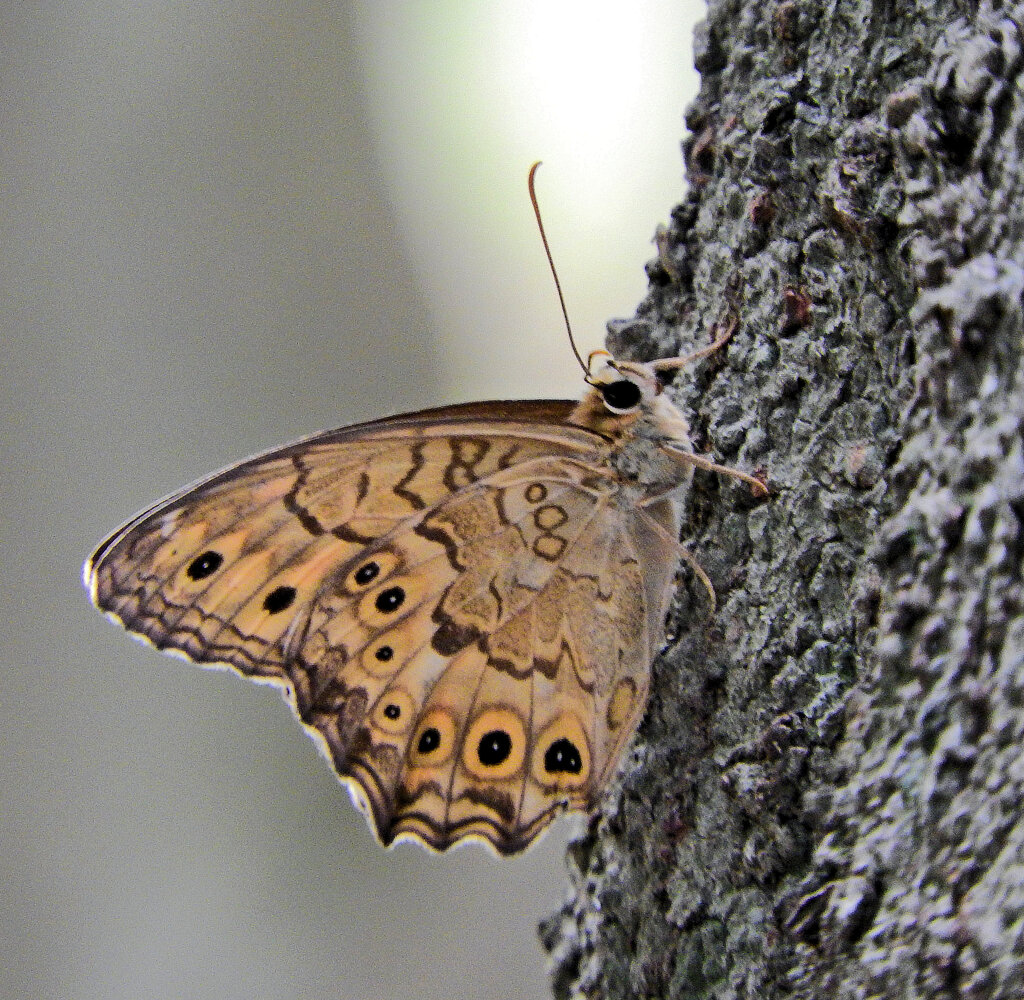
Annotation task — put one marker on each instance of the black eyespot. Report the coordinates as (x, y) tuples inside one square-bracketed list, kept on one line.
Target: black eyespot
[(494, 748), (205, 565), (278, 600), (389, 600), (366, 573), (562, 756), (393, 712), (384, 653), (430, 740), (621, 396)]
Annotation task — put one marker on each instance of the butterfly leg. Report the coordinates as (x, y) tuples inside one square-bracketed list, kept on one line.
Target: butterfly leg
[(686, 554), (757, 486), (674, 364), (701, 575)]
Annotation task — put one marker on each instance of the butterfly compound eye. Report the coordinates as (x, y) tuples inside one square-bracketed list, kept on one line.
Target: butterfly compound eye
[(621, 396)]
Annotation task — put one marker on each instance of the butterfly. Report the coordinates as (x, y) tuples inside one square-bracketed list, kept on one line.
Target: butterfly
[(462, 605)]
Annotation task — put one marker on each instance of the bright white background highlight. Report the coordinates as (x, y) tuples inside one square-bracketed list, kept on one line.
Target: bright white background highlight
[(464, 98)]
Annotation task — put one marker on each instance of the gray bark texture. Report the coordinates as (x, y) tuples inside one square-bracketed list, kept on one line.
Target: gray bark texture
[(825, 799)]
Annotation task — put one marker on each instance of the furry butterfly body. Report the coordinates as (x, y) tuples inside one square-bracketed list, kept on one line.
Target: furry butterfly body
[(462, 604)]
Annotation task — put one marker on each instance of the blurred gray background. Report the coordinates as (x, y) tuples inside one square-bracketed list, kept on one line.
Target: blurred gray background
[(223, 226)]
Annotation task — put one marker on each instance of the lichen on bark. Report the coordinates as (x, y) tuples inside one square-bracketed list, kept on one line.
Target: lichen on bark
[(824, 798)]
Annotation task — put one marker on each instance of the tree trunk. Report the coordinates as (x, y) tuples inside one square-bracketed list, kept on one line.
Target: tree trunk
[(825, 797)]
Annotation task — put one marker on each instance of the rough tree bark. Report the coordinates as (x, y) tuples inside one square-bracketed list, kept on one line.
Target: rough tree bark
[(825, 799)]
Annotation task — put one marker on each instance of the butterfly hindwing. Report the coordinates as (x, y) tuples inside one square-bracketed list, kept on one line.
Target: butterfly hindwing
[(457, 666)]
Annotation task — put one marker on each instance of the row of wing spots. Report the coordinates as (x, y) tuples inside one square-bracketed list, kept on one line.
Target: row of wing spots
[(519, 771), (282, 600), (373, 616), (466, 764), (254, 590), (408, 724), (351, 644), (371, 634), (302, 587), (185, 563), (510, 768), (364, 700), (468, 755), (423, 786)]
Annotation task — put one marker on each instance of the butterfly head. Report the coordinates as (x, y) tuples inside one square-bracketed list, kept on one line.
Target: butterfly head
[(627, 399), (624, 387)]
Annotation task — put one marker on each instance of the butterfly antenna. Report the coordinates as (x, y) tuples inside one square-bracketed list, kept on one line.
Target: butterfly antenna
[(551, 264)]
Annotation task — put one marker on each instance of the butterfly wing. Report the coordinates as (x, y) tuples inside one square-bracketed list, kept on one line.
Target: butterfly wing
[(457, 603)]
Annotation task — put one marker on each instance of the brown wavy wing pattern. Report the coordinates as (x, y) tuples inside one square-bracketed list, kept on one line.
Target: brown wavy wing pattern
[(456, 600)]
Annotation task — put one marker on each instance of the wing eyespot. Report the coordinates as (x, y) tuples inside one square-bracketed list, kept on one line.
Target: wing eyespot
[(366, 573), (394, 712), (389, 601), (279, 600), (392, 601), (433, 740), (563, 757), (429, 741), (369, 570), (494, 748), (495, 745), (205, 565)]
